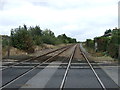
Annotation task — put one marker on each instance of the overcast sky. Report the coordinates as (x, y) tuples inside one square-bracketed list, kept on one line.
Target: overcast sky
[(80, 19)]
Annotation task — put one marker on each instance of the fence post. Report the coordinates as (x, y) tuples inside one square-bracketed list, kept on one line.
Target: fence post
[(8, 54), (119, 54)]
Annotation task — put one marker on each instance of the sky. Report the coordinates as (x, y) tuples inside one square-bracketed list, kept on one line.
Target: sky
[(80, 19)]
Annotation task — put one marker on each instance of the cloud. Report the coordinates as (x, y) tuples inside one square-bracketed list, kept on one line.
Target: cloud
[(80, 19)]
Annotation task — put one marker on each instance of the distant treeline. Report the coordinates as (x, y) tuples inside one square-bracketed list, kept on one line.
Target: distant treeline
[(108, 43), (25, 38)]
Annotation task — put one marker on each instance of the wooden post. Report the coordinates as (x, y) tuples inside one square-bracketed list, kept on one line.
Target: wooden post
[(119, 54), (8, 54)]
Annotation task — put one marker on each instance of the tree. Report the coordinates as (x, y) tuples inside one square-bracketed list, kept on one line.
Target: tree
[(25, 38), (36, 34), (21, 39), (108, 31), (48, 37), (64, 39), (5, 40), (90, 43), (48, 32), (35, 31), (113, 47)]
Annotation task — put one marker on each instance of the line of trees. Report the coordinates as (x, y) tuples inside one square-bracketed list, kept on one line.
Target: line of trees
[(108, 43), (25, 38)]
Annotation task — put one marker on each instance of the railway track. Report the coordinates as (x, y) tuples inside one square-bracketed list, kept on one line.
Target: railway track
[(67, 68), (67, 82), (31, 66), (31, 59)]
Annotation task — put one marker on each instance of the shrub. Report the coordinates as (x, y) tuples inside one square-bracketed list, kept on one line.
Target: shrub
[(90, 43), (22, 40), (102, 43)]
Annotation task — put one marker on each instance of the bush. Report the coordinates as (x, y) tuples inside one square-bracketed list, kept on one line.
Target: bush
[(113, 46), (64, 39), (90, 43), (25, 38), (22, 40), (113, 50), (102, 43), (5, 41)]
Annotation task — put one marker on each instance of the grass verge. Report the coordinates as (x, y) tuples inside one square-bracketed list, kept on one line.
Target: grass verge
[(98, 56)]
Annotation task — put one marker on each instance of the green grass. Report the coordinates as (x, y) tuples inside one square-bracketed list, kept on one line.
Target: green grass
[(93, 52), (98, 56)]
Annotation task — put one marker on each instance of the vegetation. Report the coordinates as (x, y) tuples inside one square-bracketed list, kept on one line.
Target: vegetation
[(90, 43), (64, 39), (5, 41), (113, 46), (108, 43), (102, 43), (48, 37), (108, 31), (25, 38), (21, 39)]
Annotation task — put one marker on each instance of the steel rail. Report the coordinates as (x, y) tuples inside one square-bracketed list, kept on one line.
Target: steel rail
[(66, 72), (32, 58), (98, 78), (18, 77)]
